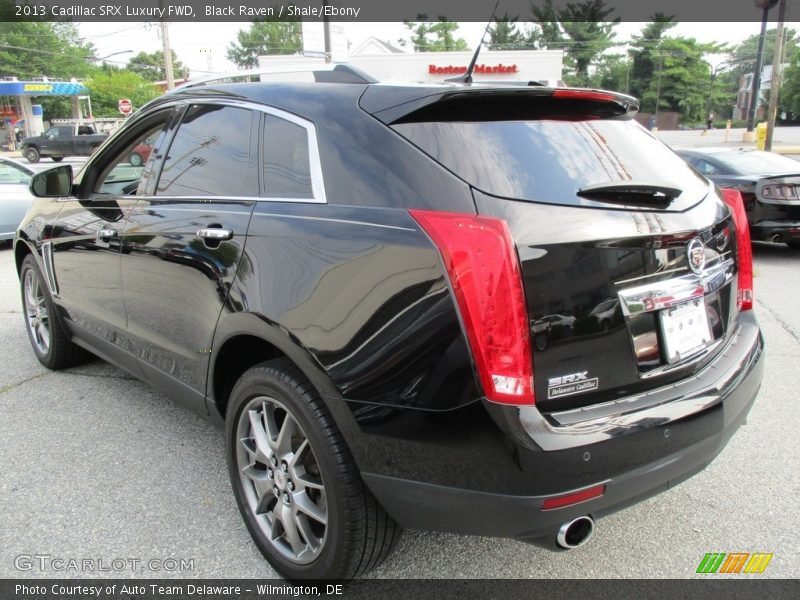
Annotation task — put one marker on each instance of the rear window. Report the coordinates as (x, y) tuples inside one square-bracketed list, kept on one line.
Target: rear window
[(548, 160)]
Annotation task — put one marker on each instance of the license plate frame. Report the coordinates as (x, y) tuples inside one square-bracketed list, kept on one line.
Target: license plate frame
[(685, 329)]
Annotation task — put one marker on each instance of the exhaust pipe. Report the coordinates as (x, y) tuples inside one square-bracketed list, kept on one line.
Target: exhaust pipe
[(575, 533), (776, 238)]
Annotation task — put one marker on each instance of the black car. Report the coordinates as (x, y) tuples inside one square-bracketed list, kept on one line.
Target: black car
[(344, 275), (769, 184), (78, 139)]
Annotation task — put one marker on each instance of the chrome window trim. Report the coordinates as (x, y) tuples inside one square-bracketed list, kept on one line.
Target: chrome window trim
[(315, 164)]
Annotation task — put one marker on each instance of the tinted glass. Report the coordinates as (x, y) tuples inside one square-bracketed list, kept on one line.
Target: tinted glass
[(550, 160), (760, 163), (211, 154), (287, 173), (125, 171)]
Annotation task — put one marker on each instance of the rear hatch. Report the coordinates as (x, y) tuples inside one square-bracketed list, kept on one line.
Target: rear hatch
[(628, 256)]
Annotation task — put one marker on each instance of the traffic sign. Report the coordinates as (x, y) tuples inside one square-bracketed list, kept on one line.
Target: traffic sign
[(125, 106)]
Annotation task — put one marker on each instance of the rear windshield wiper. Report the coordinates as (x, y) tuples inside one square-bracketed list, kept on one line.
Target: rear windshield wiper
[(631, 193)]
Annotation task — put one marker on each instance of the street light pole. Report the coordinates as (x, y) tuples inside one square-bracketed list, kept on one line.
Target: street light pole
[(765, 5), (775, 83)]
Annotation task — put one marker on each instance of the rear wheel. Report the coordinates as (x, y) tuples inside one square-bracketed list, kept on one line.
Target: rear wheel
[(31, 154), (56, 158), (45, 331), (295, 482)]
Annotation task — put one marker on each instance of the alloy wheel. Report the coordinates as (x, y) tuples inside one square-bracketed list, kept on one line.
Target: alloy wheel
[(36, 314), (281, 479)]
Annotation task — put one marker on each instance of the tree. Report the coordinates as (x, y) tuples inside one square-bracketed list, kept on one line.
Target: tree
[(644, 49), (150, 66), (263, 38), (790, 91), (107, 86), (583, 30), (437, 36), (505, 35)]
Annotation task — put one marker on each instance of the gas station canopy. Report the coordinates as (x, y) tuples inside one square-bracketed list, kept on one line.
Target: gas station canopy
[(42, 88)]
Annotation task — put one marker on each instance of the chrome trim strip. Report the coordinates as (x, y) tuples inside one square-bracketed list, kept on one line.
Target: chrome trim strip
[(347, 221), (49, 270)]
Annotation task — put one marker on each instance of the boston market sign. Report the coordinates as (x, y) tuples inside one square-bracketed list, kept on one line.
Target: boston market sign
[(479, 69)]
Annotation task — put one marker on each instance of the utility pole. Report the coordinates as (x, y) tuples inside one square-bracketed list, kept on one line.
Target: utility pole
[(167, 55), (326, 25), (775, 84), (764, 5)]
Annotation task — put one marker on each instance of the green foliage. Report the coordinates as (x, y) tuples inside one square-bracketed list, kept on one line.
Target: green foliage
[(263, 38), (790, 90), (583, 30), (35, 49), (505, 35), (436, 36), (645, 52), (150, 66), (109, 86)]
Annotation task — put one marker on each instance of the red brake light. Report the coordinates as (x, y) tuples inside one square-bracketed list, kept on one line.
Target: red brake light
[(484, 272), (744, 297), (585, 95)]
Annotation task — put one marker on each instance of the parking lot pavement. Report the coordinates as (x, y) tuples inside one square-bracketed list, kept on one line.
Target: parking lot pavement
[(97, 465)]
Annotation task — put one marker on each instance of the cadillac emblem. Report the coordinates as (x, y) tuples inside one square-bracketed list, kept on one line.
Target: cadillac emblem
[(696, 255)]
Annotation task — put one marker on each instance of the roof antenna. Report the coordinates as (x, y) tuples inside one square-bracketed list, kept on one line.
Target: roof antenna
[(467, 77)]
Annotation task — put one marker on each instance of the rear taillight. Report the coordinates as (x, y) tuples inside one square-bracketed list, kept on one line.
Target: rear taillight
[(779, 191), (744, 297), (481, 262)]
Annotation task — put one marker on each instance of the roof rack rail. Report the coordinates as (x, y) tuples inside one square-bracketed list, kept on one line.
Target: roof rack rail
[(323, 73)]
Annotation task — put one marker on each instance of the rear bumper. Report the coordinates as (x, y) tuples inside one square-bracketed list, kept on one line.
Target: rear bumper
[(637, 455), (776, 231)]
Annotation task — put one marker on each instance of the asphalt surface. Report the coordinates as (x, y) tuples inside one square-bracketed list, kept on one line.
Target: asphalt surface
[(97, 465)]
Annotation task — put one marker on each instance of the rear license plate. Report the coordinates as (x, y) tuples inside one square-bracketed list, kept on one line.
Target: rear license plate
[(685, 328)]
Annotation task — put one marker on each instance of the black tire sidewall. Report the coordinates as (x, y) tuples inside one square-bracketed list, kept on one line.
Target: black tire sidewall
[(32, 155), (258, 382)]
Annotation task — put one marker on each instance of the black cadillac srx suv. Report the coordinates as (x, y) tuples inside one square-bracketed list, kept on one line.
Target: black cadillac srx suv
[(484, 309)]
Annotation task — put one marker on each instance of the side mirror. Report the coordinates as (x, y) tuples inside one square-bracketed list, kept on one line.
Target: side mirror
[(53, 183)]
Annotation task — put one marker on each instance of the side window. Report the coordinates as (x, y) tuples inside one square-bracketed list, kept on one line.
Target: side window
[(287, 171), (64, 132), (126, 171), (51, 133), (706, 168), (213, 154)]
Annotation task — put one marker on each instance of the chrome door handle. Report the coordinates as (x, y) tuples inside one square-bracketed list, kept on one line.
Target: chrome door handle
[(107, 233), (215, 233)]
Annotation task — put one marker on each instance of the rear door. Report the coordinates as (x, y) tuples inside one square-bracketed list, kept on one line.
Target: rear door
[(184, 241), (616, 236)]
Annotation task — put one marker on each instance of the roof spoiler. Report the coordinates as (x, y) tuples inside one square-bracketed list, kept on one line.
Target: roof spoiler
[(494, 103)]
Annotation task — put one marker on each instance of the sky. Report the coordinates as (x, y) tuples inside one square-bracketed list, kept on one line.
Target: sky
[(201, 46)]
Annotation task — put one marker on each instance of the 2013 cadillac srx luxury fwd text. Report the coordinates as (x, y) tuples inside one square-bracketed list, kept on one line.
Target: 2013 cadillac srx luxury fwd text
[(497, 310)]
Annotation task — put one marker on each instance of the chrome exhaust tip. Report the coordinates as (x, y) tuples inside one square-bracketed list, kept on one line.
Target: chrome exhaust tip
[(575, 533), (776, 238)]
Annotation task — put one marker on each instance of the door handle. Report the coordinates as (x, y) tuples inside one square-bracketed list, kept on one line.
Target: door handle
[(107, 233), (215, 233)]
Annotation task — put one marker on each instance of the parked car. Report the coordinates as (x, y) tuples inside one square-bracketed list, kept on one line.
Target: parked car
[(769, 185), (344, 275), (15, 199), (141, 153), (63, 140)]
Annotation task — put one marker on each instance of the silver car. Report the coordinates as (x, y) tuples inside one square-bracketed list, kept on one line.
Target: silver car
[(15, 199)]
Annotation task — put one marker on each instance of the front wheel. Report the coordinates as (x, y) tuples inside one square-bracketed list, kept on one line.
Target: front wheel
[(31, 154), (135, 159), (49, 340), (297, 487)]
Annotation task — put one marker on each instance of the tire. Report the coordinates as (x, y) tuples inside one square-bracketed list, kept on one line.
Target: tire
[(349, 533), (32, 154), (56, 158), (46, 333), (135, 159)]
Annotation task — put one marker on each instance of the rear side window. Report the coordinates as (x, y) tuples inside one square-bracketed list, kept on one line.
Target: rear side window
[(549, 160), (212, 154), (287, 170)]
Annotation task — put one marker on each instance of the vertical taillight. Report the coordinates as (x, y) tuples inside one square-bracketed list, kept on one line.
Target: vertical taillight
[(484, 272), (744, 297)]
